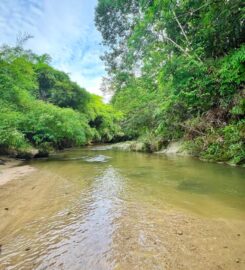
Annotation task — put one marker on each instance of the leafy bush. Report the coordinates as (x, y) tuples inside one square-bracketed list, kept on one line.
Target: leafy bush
[(223, 144)]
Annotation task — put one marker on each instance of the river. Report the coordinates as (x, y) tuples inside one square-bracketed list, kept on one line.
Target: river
[(100, 209)]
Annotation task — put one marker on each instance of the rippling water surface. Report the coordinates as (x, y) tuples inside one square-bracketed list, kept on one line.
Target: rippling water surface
[(99, 209)]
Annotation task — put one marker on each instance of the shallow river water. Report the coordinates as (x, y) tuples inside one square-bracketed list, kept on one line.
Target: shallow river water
[(99, 209)]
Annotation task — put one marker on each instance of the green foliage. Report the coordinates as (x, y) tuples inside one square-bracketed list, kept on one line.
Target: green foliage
[(10, 136), (103, 119), (42, 107), (48, 123), (224, 144), (138, 111), (177, 70), (56, 87)]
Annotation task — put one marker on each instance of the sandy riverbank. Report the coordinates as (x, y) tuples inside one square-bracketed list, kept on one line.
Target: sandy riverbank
[(11, 169)]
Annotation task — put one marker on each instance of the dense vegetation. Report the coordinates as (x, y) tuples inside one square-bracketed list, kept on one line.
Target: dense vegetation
[(41, 108), (176, 69)]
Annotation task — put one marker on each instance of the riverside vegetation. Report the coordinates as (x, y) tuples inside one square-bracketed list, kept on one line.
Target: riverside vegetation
[(42, 109), (176, 71)]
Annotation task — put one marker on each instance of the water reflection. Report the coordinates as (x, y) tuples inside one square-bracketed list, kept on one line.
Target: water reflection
[(99, 158)]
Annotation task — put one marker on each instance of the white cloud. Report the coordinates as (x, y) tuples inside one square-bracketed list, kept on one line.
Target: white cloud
[(64, 29)]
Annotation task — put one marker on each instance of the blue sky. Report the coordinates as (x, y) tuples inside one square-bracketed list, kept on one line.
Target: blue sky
[(62, 28)]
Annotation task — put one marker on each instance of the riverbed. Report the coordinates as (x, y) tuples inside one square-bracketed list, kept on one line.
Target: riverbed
[(99, 209)]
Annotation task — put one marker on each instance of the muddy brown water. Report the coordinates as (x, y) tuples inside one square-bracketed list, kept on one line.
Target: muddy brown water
[(99, 209)]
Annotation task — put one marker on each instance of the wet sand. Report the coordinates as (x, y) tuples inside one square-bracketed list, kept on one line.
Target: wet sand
[(173, 240), (13, 169)]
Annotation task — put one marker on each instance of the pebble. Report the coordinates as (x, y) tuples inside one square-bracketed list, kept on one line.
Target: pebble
[(27, 249), (237, 260), (179, 232), (6, 208)]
